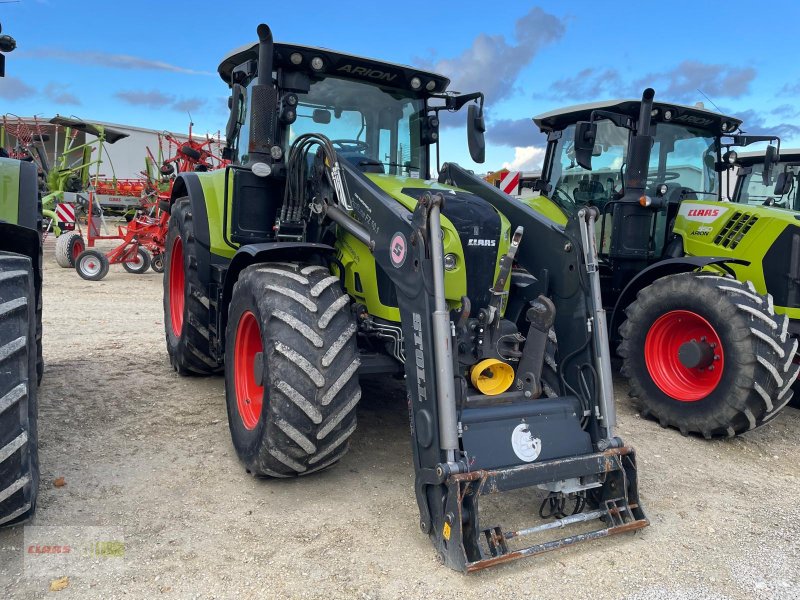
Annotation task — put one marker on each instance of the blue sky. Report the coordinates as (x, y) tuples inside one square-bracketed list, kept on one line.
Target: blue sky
[(146, 63)]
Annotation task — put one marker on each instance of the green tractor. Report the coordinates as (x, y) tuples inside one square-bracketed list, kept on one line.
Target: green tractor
[(704, 293), (325, 252), (21, 365)]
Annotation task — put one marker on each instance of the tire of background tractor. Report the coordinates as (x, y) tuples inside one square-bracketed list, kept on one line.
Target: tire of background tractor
[(142, 263), (68, 246), (157, 264), (19, 454), (92, 265), (186, 317), (711, 321), (39, 355), (290, 327)]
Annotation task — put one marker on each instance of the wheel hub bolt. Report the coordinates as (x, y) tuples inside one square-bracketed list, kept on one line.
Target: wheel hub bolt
[(696, 355)]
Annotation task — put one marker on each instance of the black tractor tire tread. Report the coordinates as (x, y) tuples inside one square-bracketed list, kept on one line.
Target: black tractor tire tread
[(19, 462), (764, 372), (311, 368), (191, 353), (39, 351)]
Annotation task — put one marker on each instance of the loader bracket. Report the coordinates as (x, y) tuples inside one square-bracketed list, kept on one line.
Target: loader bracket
[(464, 545)]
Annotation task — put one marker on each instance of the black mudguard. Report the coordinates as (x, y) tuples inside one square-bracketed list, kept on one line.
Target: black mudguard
[(671, 266), (260, 253)]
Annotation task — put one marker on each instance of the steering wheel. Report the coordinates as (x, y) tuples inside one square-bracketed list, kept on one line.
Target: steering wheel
[(566, 199), (351, 145), (666, 176)]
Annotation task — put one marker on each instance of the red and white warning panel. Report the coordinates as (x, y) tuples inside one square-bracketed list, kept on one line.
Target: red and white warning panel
[(510, 182), (65, 215)]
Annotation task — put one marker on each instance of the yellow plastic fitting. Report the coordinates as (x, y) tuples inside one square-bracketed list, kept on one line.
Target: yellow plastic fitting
[(492, 377)]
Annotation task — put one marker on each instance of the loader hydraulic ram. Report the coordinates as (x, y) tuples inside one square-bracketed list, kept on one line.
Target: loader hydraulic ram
[(326, 250)]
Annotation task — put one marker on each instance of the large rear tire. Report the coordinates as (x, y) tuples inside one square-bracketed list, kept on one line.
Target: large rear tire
[(186, 315), (68, 247), (19, 457), (291, 369), (707, 354)]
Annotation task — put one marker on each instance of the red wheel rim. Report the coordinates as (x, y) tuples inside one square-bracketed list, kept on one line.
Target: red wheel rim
[(249, 395), (77, 248), (176, 285), (661, 348)]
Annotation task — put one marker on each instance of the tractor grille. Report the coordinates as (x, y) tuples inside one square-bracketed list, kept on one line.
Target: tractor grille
[(735, 229)]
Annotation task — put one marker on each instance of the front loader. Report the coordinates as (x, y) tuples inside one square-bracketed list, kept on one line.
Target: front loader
[(704, 293), (325, 251)]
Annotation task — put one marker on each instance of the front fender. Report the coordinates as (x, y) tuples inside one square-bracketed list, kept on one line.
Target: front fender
[(670, 266), (259, 253)]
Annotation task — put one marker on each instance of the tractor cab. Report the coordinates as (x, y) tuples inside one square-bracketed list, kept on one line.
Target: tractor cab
[(380, 117), (682, 162), (775, 186)]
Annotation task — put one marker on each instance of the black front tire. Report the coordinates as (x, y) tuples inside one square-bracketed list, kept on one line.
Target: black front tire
[(757, 372), (302, 419), (19, 454), (187, 330)]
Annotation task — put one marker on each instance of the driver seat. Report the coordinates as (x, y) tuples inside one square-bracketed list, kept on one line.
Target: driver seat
[(588, 191)]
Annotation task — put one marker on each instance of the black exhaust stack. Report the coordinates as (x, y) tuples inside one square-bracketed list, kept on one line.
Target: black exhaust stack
[(264, 101), (631, 237)]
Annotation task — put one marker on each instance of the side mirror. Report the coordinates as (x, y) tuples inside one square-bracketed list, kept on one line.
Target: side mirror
[(784, 184), (770, 159), (236, 118), (320, 115), (585, 136), (475, 133)]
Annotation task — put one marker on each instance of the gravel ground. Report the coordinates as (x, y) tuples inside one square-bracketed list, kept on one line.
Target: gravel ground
[(148, 453)]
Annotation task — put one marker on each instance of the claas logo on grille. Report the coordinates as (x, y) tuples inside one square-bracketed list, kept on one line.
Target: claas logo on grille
[(703, 212)]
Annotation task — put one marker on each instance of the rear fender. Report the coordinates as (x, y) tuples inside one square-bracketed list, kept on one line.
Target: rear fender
[(671, 266), (189, 185)]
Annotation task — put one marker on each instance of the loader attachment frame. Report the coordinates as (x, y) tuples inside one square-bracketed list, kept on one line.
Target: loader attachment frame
[(463, 442)]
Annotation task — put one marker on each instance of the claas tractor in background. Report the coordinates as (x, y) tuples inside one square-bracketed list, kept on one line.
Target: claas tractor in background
[(704, 293), (775, 186), (21, 365), (325, 252)]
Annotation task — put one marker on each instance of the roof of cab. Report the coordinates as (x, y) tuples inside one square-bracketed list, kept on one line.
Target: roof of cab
[(337, 63), (752, 158), (681, 114)]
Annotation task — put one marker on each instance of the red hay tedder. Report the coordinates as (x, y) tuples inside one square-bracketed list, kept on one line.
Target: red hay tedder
[(142, 239)]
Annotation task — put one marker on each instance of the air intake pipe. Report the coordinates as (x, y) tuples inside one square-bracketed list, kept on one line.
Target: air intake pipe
[(263, 101)]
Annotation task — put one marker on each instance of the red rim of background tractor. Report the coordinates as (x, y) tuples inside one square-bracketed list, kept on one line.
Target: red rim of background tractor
[(249, 395), (661, 354), (177, 280)]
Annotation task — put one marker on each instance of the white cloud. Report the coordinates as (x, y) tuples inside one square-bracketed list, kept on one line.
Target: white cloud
[(528, 158)]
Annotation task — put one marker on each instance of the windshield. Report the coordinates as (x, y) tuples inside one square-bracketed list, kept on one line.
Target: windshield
[(751, 188), (681, 157), (376, 130)]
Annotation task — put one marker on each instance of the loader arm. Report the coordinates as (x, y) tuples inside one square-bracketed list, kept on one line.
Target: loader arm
[(449, 481)]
